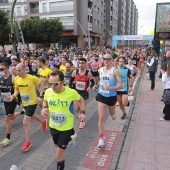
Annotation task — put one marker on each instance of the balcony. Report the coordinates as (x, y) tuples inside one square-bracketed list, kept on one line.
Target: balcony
[(61, 8), (34, 10), (90, 12), (90, 26)]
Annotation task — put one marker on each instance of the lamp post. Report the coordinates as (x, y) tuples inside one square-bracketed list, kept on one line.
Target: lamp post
[(11, 23), (89, 42), (81, 27), (20, 30), (139, 28)]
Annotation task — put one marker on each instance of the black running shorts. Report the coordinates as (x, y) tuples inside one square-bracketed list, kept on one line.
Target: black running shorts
[(110, 101), (30, 110), (61, 138), (84, 94), (10, 107)]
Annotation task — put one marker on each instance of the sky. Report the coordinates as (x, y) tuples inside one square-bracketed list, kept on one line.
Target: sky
[(146, 12)]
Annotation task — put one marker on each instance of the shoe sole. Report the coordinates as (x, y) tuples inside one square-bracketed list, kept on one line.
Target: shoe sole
[(27, 149), (45, 127), (100, 146), (4, 144)]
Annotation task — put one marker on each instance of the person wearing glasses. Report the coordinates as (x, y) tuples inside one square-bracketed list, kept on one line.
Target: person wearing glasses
[(127, 79), (6, 89), (25, 85), (81, 78), (58, 106), (110, 81)]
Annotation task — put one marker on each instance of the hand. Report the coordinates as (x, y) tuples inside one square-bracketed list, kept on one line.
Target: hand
[(82, 117), (130, 89), (106, 87), (88, 89), (162, 71), (45, 113), (9, 98), (95, 87)]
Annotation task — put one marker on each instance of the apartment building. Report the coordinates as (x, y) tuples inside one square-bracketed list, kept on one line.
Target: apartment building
[(94, 20)]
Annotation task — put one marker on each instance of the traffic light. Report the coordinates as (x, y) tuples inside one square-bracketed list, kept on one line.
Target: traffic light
[(11, 38), (18, 34)]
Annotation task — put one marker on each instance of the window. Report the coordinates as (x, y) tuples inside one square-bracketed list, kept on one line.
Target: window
[(25, 10), (19, 11)]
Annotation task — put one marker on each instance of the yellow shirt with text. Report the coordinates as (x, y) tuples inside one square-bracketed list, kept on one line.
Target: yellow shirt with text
[(63, 69), (26, 87)]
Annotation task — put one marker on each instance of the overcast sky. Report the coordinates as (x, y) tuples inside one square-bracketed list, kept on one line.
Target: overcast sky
[(146, 10)]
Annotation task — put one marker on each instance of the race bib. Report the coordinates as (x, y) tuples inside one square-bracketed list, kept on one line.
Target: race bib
[(27, 69), (33, 66), (25, 98), (80, 85), (67, 82), (94, 69), (134, 61), (5, 94), (45, 84), (102, 88), (122, 89), (58, 119)]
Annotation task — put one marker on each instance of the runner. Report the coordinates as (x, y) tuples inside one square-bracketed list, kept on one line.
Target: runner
[(6, 88), (110, 81), (61, 117), (122, 95), (68, 73), (81, 77), (25, 85)]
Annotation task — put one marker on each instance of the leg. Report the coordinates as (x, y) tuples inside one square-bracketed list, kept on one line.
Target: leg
[(112, 110), (26, 123), (101, 113), (37, 117), (119, 98)]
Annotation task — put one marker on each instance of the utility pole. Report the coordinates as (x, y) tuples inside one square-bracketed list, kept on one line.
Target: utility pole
[(12, 26)]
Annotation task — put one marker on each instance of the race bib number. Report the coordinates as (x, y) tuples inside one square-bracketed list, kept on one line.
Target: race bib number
[(122, 89), (80, 85), (67, 82), (4, 95), (102, 88), (33, 66), (134, 61), (25, 98), (141, 59), (58, 119), (94, 69), (45, 85), (27, 69)]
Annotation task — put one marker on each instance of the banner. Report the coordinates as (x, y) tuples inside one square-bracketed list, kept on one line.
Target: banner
[(133, 37)]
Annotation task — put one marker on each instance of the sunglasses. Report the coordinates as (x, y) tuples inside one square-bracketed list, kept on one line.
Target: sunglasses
[(2, 69), (55, 84), (107, 59)]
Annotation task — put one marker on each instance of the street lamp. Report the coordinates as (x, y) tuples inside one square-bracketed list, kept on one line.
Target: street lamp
[(81, 27), (89, 43), (11, 23), (139, 28)]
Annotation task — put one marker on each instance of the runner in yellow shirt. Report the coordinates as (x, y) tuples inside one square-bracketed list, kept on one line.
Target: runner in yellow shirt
[(25, 85), (58, 105)]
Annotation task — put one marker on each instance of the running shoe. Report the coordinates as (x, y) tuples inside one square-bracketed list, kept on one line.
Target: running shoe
[(5, 142), (128, 104), (73, 141), (44, 125), (150, 89), (82, 124), (161, 118), (114, 117), (101, 143), (124, 116), (26, 146)]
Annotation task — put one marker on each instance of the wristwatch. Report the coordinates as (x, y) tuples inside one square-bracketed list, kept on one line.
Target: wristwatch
[(83, 111)]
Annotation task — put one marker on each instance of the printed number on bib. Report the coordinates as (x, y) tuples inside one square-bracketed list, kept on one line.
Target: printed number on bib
[(134, 61), (80, 85), (25, 98), (27, 69), (122, 89), (102, 88), (67, 82), (94, 69), (58, 119), (4, 95)]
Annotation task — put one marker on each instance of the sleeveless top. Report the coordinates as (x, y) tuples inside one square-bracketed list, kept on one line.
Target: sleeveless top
[(81, 81), (94, 66), (67, 78), (110, 80)]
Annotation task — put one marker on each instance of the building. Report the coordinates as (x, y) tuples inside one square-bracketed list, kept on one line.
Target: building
[(85, 21)]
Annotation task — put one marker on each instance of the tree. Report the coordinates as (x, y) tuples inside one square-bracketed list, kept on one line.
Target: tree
[(41, 31), (4, 28)]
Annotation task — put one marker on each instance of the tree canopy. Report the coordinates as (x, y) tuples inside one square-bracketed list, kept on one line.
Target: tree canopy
[(4, 28), (41, 31)]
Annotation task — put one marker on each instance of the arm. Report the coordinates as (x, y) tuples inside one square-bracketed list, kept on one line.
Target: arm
[(44, 111), (151, 63), (41, 90), (72, 79)]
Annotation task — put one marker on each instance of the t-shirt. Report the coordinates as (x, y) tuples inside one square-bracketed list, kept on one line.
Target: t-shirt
[(26, 87), (44, 75), (63, 69), (61, 109)]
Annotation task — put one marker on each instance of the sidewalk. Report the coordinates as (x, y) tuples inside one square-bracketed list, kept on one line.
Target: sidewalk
[(147, 141)]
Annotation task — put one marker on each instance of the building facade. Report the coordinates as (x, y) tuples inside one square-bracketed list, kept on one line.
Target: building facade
[(93, 21)]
